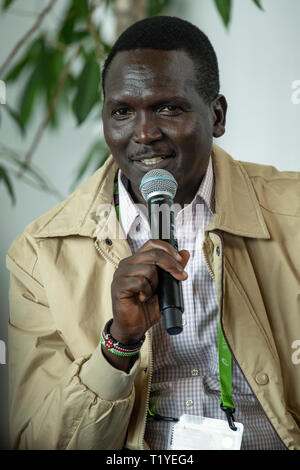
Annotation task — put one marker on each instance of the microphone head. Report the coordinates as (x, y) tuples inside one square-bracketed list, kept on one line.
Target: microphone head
[(159, 182)]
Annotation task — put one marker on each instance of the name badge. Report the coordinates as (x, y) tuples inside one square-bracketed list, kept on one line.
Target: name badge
[(199, 433)]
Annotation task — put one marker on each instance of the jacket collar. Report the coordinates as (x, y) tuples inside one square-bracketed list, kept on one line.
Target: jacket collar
[(77, 215), (237, 209)]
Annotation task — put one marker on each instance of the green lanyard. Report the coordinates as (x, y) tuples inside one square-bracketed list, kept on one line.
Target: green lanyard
[(225, 359), (225, 372), (116, 199)]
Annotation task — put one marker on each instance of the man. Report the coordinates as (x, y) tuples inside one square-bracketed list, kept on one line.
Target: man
[(73, 281)]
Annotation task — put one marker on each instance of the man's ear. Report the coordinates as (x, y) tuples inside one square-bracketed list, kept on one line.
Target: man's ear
[(219, 110)]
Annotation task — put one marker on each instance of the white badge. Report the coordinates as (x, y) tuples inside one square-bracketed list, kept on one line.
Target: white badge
[(198, 433)]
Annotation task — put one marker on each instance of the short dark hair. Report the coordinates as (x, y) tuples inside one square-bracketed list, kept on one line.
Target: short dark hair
[(171, 33)]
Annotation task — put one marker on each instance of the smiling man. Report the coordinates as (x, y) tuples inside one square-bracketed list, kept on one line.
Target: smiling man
[(152, 100), (91, 366)]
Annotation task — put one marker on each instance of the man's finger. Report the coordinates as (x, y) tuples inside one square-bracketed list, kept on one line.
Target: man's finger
[(150, 244)]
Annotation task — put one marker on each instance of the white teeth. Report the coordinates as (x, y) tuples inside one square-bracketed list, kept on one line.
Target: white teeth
[(151, 161)]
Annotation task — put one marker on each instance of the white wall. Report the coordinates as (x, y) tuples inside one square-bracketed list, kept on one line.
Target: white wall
[(259, 59)]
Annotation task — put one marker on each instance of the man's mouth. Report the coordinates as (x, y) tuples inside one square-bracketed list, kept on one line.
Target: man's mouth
[(151, 161), (154, 162)]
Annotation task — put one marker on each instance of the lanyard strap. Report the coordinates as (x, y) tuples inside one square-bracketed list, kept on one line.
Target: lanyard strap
[(225, 373), (116, 200), (225, 358), (225, 370)]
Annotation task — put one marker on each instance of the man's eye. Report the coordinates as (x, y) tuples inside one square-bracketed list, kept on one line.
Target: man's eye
[(120, 112), (169, 109)]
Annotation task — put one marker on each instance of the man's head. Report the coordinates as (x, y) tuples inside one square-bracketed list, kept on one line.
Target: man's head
[(162, 101), (166, 33)]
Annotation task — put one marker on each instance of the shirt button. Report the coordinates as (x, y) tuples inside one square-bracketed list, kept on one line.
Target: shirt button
[(195, 372), (189, 403), (183, 322), (261, 378)]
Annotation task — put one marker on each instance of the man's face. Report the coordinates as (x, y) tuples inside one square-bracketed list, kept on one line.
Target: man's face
[(152, 109)]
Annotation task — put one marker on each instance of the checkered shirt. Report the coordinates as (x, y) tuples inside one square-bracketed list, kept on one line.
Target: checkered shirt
[(186, 373)]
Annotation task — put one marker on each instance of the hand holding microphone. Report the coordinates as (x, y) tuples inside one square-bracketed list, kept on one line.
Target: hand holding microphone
[(158, 188), (139, 291)]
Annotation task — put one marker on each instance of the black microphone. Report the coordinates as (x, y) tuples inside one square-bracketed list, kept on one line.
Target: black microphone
[(158, 188)]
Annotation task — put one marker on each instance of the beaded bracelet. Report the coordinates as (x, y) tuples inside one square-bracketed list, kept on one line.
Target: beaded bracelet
[(115, 347)]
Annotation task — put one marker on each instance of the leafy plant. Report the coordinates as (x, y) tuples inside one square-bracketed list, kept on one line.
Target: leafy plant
[(62, 72), (33, 175), (224, 8)]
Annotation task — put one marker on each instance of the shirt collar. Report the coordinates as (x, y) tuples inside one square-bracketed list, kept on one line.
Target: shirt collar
[(130, 212), (206, 190)]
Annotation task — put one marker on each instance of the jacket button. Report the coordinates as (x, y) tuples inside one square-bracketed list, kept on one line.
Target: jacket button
[(108, 242), (261, 378)]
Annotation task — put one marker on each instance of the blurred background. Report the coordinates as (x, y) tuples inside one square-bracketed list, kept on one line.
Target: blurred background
[(51, 139)]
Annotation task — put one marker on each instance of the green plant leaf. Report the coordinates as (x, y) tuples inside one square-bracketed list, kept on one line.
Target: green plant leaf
[(77, 12), (155, 7), (6, 4), (50, 65), (67, 29), (106, 47), (17, 69), (32, 175), (47, 63), (81, 8), (28, 59), (29, 95), (7, 182), (16, 117), (87, 94), (258, 4), (77, 36), (224, 9)]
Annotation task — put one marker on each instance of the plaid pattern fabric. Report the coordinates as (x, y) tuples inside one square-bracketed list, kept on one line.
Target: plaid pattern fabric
[(186, 374)]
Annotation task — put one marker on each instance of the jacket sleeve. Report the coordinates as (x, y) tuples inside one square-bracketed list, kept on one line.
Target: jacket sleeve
[(57, 401)]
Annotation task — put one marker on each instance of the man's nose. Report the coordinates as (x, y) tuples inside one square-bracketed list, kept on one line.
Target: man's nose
[(146, 130)]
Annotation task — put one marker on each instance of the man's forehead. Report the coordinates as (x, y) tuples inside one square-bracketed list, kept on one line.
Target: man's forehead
[(150, 67)]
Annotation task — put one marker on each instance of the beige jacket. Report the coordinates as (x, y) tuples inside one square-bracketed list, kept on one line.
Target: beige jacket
[(63, 393)]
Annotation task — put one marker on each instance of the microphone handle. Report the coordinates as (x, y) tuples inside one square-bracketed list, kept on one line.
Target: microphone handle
[(170, 301), (169, 290)]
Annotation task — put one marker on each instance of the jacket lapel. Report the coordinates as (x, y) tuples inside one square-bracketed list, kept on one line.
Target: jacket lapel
[(237, 209)]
